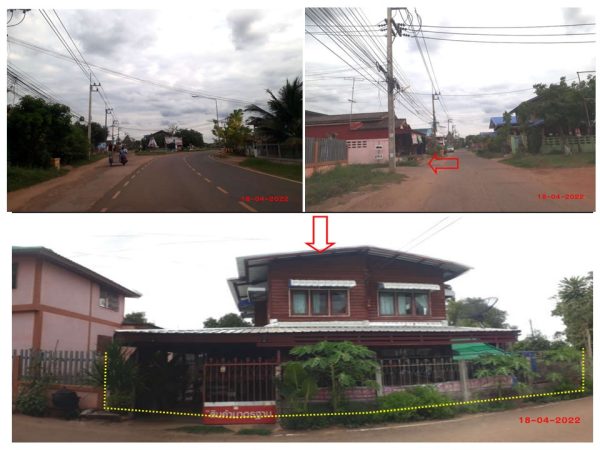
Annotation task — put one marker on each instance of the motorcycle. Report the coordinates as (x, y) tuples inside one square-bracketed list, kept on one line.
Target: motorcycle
[(123, 158)]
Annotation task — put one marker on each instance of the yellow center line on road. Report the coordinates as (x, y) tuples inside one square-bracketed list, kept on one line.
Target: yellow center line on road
[(116, 195), (222, 190), (248, 207)]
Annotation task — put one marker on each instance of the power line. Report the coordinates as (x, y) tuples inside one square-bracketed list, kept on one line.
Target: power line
[(513, 27), (187, 91), (433, 234), (507, 34), (509, 42)]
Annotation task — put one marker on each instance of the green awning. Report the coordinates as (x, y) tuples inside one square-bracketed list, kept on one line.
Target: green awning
[(472, 350)]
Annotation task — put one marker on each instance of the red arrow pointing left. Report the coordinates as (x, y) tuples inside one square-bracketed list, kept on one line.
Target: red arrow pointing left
[(435, 168), (320, 234)]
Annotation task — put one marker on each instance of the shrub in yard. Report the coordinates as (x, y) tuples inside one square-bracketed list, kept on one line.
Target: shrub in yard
[(359, 420), (33, 399), (398, 400), (308, 422), (428, 395)]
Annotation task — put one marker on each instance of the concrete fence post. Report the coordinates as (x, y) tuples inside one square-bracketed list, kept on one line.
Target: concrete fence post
[(379, 381), (464, 380)]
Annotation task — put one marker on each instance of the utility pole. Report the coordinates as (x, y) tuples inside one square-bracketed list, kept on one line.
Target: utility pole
[(217, 110), (351, 100), (106, 112), (115, 123), (390, 93), (587, 114), (93, 87), (434, 127)]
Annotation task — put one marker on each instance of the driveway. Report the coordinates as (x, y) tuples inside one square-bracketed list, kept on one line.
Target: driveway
[(479, 185), (502, 426)]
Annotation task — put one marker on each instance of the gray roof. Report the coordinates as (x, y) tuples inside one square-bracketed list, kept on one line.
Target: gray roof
[(327, 327), (72, 266)]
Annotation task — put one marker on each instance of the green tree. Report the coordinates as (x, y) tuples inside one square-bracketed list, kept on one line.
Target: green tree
[(503, 365), (475, 312), (227, 321), (190, 137), (36, 131), (341, 365), (574, 307), (283, 119), (297, 386), (234, 135), (136, 317)]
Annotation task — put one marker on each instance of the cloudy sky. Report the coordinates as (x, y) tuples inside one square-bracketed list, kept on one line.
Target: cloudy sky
[(236, 54), (181, 267), (460, 68)]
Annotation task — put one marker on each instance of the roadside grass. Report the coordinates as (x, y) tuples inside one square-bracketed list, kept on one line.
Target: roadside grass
[(202, 429), (22, 177), (290, 171), (551, 161), (255, 432), (343, 180)]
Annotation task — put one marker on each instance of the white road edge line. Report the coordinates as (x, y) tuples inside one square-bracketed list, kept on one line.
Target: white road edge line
[(116, 195), (207, 180), (104, 210), (126, 183), (222, 190)]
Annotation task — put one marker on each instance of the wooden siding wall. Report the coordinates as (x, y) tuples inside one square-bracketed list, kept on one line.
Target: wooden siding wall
[(367, 271)]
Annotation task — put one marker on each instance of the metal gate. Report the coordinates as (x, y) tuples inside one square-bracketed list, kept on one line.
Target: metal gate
[(240, 391)]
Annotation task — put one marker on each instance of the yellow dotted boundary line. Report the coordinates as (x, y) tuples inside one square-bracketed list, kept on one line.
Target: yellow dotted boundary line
[(348, 413)]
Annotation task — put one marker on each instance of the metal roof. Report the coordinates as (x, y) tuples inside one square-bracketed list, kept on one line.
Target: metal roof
[(72, 266), (324, 327)]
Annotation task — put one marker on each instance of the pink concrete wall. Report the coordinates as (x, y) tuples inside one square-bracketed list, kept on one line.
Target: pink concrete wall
[(22, 330), (23, 294), (64, 333), (367, 155), (105, 313), (64, 289)]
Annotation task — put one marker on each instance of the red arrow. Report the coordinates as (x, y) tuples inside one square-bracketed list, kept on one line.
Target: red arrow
[(321, 242), (437, 158)]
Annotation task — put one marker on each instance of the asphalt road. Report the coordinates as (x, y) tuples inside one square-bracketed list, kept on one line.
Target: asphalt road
[(502, 426), (195, 182), (181, 182), (479, 185)]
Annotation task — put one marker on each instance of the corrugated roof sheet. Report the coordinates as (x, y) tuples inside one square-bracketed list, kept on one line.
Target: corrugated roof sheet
[(332, 327)]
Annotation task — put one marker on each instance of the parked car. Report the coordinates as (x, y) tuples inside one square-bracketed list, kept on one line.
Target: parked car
[(449, 149)]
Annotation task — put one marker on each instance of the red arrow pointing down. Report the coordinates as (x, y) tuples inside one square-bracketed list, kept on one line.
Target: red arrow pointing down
[(320, 234), (437, 158)]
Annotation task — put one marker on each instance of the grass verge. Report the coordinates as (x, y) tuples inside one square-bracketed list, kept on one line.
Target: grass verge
[(95, 157), (290, 171), (22, 177), (202, 429), (342, 180), (549, 161)]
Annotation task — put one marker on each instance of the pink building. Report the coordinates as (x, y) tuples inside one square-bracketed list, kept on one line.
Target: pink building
[(59, 304), (366, 135)]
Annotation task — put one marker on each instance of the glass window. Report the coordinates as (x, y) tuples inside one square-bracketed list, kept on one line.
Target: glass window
[(300, 303), (319, 303), (339, 303), (404, 304), (386, 303), (15, 271), (421, 305), (108, 300)]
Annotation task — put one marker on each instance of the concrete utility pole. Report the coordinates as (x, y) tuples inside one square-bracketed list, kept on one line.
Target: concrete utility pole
[(106, 112), (434, 127), (390, 93), (351, 100), (93, 87), (587, 114)]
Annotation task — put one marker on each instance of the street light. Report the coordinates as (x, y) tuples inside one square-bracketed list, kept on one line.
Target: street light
[(210, 98)]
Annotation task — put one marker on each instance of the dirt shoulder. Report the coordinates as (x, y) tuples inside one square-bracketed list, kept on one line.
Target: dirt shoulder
[(76, 191)]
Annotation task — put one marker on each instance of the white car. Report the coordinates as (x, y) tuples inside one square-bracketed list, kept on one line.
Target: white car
[(450, 150)]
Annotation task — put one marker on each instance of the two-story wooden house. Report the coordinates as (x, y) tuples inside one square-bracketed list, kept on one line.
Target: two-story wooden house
[(393, 302), (58, 304)]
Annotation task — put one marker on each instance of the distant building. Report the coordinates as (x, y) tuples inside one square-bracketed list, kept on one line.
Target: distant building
[(366, 134)]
